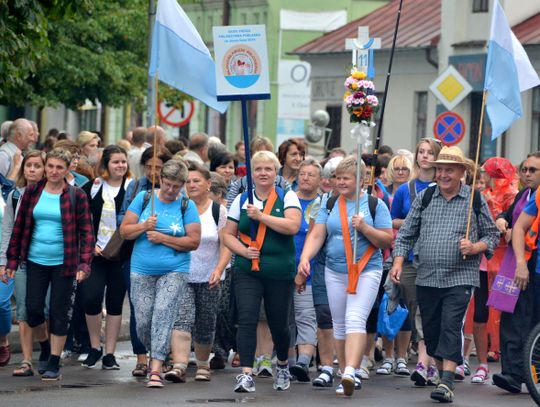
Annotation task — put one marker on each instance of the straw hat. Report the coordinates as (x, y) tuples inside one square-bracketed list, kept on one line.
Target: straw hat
[(451, 155)]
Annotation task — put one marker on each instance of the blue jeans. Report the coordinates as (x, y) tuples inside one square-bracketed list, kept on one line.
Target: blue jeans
[(6, 291)]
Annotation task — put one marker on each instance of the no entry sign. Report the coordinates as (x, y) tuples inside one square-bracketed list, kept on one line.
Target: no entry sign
[(176, 117), (449, 128)]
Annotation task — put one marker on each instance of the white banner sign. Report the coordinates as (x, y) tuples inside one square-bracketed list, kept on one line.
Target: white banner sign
[(312, 21), (241, 62), (294, 90)]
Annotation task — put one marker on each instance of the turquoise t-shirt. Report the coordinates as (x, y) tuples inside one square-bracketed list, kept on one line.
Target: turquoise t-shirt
[(335, 250), (47, 245), (157, 259)]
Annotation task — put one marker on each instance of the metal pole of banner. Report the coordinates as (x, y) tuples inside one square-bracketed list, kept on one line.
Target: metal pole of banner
[(383, 105), (357, 198), (249, 177), (155, 147), (150, 91), (477, 159)]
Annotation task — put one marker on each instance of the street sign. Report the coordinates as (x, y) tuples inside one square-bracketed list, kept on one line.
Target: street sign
[(176, 117), (449, 128), (450, 88)]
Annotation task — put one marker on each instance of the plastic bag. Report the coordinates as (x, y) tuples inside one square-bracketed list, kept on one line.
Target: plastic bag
[(390, 324)]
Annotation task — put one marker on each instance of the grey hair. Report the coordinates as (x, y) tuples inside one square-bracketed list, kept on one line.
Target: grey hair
[(4, 129), (311, 162), (60, 154), (175, 170), (348, 165), (330, 167)]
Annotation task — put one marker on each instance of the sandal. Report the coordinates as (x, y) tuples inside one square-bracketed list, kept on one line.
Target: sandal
[(176, 374), (443, 394), (202, 374), (141, 370), (25, 369), (155, 380), (481, 376), (236, 360)]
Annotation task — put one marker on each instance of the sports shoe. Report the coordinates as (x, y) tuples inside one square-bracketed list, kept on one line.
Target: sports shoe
[(459, 374), (466, 368), (387, 367), (82, 357), (256, 364), (265, 368), (301, 372), (282, 380), (93, 357), (349, 384), (433, 378), (325, 379), (109, 362), (66, 354), (401, 368), (244, 384), (481, 376), (363, 373), (51, 375), (419, 376)]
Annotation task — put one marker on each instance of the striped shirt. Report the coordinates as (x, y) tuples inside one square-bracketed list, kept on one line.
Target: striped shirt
[(438, 229)]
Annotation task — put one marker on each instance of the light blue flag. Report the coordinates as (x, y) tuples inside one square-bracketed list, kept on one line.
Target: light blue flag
[(180, 57), (508, 73)]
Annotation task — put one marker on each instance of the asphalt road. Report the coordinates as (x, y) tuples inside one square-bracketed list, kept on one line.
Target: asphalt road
[(99, 388)]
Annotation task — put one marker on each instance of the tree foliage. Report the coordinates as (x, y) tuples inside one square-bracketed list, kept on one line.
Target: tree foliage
[(66, 51)]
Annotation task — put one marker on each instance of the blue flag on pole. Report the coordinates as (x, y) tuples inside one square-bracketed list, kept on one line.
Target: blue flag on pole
[(508, 73), (180, 57)]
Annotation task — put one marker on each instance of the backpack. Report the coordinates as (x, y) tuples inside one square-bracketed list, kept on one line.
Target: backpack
[(215, 212), (183, 204), (7, 186), (372, 203), (16, 196), (426, 199)]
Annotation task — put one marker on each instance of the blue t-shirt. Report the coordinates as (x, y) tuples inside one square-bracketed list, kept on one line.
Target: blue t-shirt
[(532, 210), (47, 245), (157, 259), (300, 237), (401, 205), (335, 250)]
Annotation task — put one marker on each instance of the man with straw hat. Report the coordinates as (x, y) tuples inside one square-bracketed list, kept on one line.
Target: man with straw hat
[(447, 262)]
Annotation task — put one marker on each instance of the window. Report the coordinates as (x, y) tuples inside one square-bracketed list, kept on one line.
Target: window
[(256, 18), (243, 18), (480, 6), (420, 108), (535, 131)]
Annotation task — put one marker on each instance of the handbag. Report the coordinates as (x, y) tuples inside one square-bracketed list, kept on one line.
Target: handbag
[(118, 248), (389, 324)]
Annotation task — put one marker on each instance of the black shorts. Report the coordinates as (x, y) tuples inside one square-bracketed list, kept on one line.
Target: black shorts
[(323, 315)]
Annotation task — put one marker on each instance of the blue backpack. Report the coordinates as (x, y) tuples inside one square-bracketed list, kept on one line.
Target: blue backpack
[(7, 186)]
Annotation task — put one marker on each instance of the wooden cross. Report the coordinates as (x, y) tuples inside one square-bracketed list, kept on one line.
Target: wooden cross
[(362, 51)]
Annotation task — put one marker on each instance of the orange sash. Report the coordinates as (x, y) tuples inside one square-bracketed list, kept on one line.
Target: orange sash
[(531, 237), (354, 269), (261, 231)]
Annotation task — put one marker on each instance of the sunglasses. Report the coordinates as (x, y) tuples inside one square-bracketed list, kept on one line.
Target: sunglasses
[(532, 170)]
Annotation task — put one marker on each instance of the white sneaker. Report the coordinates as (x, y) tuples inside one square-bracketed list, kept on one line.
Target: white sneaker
[(82, 357), (339, 390), (66, 354), (244, 384)]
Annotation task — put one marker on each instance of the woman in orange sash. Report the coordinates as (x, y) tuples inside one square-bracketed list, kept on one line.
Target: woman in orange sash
[(352, 285), (264, 268)]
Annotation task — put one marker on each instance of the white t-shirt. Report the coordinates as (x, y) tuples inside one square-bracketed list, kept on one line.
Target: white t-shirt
[(290, 200), (107, 223), (205, 259)]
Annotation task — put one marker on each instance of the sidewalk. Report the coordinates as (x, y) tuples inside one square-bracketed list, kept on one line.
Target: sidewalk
[(14, 340)]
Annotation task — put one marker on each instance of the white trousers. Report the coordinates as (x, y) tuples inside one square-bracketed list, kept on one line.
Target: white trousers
[(351, 311)]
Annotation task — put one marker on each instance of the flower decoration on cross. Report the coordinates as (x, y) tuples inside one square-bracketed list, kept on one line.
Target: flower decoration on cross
[(360, 99)]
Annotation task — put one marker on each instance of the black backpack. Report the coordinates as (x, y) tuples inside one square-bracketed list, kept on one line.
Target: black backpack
[(428, 195), (372, 203)]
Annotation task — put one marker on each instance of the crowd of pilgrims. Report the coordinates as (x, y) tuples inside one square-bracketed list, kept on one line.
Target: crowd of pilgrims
[(267, 283)]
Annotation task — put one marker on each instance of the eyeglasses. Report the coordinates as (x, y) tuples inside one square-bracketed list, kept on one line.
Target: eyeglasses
[(532, 170), (401, 169), (149, 167)]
